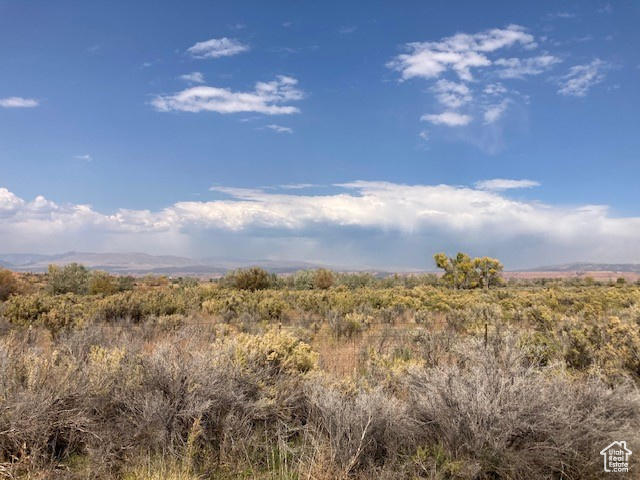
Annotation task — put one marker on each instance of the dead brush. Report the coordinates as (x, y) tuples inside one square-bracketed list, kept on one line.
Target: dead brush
[(518, 422)]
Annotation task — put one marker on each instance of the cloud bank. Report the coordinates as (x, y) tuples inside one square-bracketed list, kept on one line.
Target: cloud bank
[(358, 223)]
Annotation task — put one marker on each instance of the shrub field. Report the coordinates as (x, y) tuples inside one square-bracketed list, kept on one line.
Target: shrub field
[(315, 375)]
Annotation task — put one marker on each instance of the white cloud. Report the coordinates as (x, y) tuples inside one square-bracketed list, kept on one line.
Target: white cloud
[(606, 9), (494, 112), (279, 128), (582, 77), (267, 98), (424, 134), (86, 158), (458, 53), (376, 223), (559, 15), (518, 68), (349, 29), (450, 119), (452, 94), (298, 186), (495, 89), (193, 77), (464, 68), (217, 47), (18, 102), (499, 184)]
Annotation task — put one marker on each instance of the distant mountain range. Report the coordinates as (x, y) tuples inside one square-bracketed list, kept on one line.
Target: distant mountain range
[(143, 263), (589, 267)]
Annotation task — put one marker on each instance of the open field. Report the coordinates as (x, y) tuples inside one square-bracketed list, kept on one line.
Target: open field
[(316, 375)]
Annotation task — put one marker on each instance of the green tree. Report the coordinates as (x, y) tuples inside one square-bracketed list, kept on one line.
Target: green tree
[(459, 271), (488, 270)]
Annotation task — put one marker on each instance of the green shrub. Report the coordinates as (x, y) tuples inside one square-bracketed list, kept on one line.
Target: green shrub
[(254, 278), (8, 284), (303, 280), (101, 283), (323, 279), (70, 278), (52, 312), (278, 351)]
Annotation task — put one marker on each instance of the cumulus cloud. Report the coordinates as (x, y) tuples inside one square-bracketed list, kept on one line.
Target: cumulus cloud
[(452, 94), (582, 77), (193, 77), (217, 47), (266, 97), (450, 119), (18, 102), (495, 89), (520, 67), (463, 69), (459, 53), (499, 184), (375, 223)]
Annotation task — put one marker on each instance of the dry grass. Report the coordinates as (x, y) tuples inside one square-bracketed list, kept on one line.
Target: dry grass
[(189, 403)]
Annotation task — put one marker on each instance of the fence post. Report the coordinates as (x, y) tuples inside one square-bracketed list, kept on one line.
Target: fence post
[(486, 334)]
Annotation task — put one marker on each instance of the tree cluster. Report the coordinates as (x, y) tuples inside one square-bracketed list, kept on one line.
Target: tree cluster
[(464, 272)]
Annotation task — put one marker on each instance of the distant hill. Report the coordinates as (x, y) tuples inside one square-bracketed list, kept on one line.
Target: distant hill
[(142, 263), (590, 267)]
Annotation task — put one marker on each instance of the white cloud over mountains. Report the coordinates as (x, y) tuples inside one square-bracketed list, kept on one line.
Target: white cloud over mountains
[(267, 98), (217, 47), (376, 223)]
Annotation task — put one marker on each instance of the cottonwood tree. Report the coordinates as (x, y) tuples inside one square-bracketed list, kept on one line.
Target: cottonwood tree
[(458, 271), (488, 270), (462, 271)]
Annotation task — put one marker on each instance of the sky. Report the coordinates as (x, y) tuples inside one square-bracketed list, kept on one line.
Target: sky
[(364, 133)]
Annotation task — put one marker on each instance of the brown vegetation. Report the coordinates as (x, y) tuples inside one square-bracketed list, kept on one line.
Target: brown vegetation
[(363, 378)]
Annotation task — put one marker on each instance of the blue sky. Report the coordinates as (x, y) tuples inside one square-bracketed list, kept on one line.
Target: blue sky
[(360, 133)]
